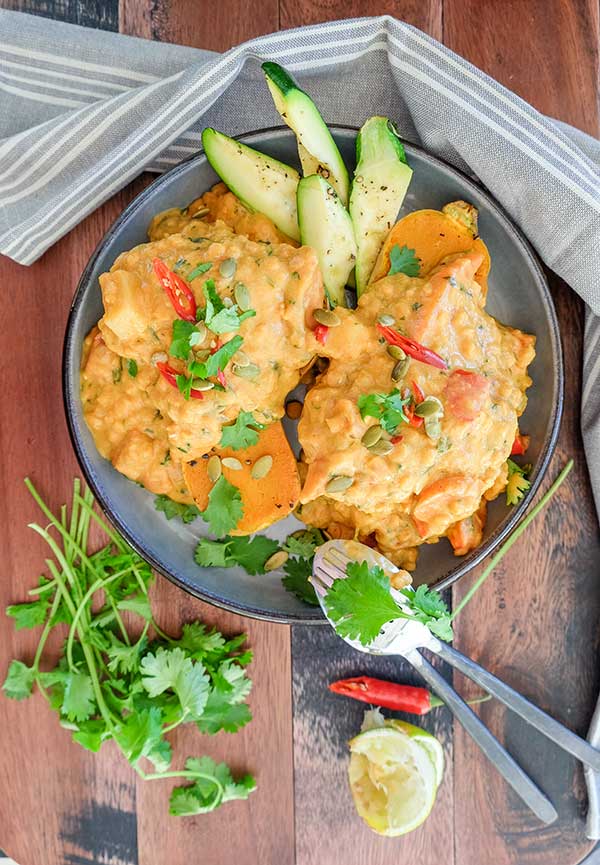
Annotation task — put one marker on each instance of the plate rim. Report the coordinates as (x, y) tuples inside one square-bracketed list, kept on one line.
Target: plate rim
[(313, 615)]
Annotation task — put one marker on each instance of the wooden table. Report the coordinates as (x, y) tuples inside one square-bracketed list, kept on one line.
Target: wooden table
[(535, 622)]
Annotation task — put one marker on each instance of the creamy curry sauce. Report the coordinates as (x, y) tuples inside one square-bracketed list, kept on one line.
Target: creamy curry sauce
[(422, 490)]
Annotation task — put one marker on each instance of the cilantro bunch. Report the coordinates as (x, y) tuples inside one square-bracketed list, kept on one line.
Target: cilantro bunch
[(387, 408), (132, 689)]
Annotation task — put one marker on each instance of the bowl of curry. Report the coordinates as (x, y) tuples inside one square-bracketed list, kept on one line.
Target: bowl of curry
[(227, 418)]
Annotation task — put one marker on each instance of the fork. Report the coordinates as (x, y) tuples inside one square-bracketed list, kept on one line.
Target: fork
[(404, 637)]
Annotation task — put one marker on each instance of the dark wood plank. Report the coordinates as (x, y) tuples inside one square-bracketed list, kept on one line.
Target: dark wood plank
[(426, 14), (102, 14), (217, 26), (535, 622)]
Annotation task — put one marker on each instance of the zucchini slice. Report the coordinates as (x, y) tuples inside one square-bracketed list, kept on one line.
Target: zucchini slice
[(261, 182), (325, 225), (317, 150), (381, 179)]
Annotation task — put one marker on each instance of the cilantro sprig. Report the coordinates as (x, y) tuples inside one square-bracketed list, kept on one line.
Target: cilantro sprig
[(243, 433), (387, 408), (172, 509), (517, 484), (111, 685), (403, 260), (250, 553), (218, 317)]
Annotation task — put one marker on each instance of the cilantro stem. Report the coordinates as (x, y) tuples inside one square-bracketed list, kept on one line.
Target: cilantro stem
[(117, 541), (176, 723), (183, 773), (512, 539)]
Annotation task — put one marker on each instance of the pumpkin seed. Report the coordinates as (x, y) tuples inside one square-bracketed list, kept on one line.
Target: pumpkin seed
[(241, 358), (396, 352), (242, 296), (232, 463), (200, 384), (249, 371), (372, 435), (159, 357), (381, 448), (203, 211), (433, 427), (430, 407), (293, 409), (213, 468), (400, 369), (326, 317), (338, 484), (262, 467), (228, 267), (202, 331), (276, 560), (386, 320)]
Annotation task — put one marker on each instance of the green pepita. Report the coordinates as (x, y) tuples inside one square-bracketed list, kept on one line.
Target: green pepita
[(232, 463), (262, 467), (396, 352), (326, 317), (386, 320), (372, 435), (400, 369), (213, 468), (276, 560), (204, 211), (201, 384), (433, 427), (202, 331), (242, 296), (241, 358), (338, 484), (228, 267), (381, 448), (250, 371), (430, 407)]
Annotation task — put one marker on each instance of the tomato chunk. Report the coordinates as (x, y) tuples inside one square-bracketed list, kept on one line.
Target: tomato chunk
[(466, 394)]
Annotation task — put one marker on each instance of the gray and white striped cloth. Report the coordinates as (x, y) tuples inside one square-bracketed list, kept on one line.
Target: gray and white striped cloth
[(82, 112)]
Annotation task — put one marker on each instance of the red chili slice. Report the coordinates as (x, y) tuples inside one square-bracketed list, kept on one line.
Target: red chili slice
[(412, 348), (178, 291), (419, 395), (321, 331), (396, 439), (169, 374), (221, 378), (413, 419)]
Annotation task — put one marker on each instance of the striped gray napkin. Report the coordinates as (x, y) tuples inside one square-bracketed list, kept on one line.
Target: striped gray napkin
[(82, 112)]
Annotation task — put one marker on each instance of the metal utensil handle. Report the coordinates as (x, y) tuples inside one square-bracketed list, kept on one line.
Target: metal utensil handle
[(554, 730), (491, 747)]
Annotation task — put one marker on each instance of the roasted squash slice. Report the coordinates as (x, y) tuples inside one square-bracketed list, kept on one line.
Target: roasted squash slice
[(435, 235), (265, 499)]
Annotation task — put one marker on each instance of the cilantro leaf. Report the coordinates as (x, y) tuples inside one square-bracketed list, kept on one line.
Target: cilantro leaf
[(29, 615), (19, 681), (243, 433), (213, 554), (224, 509), (517, 484), (225, 709), (361, 604), (403, 260), (198, 270), (213, 786), (219, 360), (201, 644), (78, 697), (303, 543), (138, 604), (123, 658), (252, 553), (218, 317), (297, 572), (139, 734), (171, 669), (170, 508), (91, 734), (387, 408), (185, 335)]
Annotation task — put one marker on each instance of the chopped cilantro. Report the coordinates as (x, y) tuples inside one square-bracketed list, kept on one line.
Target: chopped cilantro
[(517, 484), (170, 508), (224, 509), (132, 368), (403, 260), (303, 543), (242, 433), (218, 317), (388, 409), (185, 335), (198, 270), (217, 361)]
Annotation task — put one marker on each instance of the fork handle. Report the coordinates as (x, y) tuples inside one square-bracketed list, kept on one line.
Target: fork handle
[(491, 747), (557, 732)]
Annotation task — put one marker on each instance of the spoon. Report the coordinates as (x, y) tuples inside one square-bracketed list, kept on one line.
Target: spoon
[(403, 637)]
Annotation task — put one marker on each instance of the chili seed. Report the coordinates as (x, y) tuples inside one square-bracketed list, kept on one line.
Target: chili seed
[(326, 317), (232, 463), (372, 435), (433, 427), (276, 560), (430, 407), (262, 467), (381, 448), (338, 484), (249, 371), (213, 468), (159, 357), (396, 352), (400, 369), (228, 267), (386, 320), (293, 409), (242, 296)]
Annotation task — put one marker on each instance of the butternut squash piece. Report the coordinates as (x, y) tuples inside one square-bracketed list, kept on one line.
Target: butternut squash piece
[(265, 499), (435, 235)]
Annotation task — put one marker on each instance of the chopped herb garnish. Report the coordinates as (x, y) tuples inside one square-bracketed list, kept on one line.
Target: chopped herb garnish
[(171, 509), (185, 335), (517, 484), (117, 372), (217, 361), (250, 553), (416, 306), (199, 270), (243, 433), (403, 260), (388, 409), (181, 262), (132, 368), (218, 317)]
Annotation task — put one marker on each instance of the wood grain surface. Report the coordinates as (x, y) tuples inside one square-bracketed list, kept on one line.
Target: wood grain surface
[(535, 622)]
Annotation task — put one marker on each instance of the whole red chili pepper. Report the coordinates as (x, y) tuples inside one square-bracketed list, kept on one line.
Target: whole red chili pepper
[(520, 445), (321, 331), (170, 375), (390, 695), (412, 348), (178, 291)]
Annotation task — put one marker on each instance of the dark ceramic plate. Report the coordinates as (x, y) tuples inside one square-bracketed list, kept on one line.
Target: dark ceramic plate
[(518, 295)]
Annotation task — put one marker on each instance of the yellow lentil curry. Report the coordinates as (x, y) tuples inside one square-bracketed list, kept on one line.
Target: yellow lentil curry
[(395, 489)]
